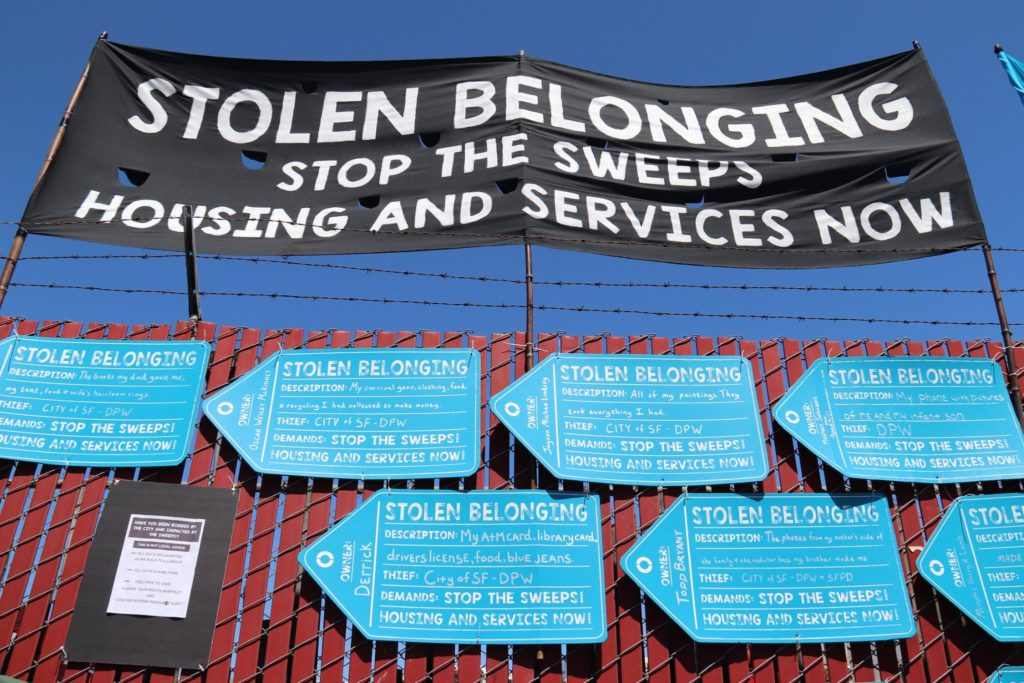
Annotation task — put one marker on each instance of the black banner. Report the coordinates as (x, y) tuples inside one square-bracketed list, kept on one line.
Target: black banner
[(849, 166)]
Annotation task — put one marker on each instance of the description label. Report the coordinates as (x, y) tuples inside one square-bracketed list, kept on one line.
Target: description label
[(907, 419), (356, 413), (639, 419), (976, 559), (776, 568), (99, 403), (476, 567)]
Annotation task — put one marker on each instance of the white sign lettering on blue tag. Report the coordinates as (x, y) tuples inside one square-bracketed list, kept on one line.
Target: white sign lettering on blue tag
[(356, 413), (99, 403), (669, 420), (776, 568), (476, 567), (907, 419), (976, 559)]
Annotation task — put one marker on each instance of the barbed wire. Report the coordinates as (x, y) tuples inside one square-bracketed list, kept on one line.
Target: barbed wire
[(285, 261), (491, 305)]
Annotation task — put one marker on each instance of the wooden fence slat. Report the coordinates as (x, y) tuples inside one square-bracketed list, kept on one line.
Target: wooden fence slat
[(304, 636), (32, 575), (335, 624), (205, 462), (938, 656), (227, 612), (49, 636), (521, 468), (285, 601), (88, 518), (661, 635)]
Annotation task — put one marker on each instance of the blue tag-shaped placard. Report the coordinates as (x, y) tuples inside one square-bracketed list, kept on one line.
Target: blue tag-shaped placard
[(99, 403), (777, 568), (356, 413), (476, 567), (907, 419), (639, 419), (976, 559), (1007, 674)]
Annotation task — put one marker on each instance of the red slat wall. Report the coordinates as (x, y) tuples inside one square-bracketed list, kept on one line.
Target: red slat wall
[(274, 625)]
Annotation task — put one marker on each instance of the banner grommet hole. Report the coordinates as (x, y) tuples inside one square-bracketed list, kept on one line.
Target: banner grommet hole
[(253, 159), (508, 185), (695, 202), (130, 177), (783, 156), (309, 87), (597, 142), (897, 174), (369, 202), (430, 140)]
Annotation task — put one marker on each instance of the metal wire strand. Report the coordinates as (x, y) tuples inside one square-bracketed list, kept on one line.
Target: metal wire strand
[(285, 261), (539, 307)]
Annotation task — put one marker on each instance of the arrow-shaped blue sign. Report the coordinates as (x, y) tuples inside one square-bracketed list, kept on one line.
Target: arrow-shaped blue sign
[(639, 419), (976, 559), (776, 568), (356, 413), (99, 403), (476, 567), (1007, 674), (907, 419)]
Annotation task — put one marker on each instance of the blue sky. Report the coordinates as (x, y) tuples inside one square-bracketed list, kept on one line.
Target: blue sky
[(46, 44)]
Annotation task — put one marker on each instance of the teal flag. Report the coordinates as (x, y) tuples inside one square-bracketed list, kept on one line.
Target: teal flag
[(1015, 70)]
